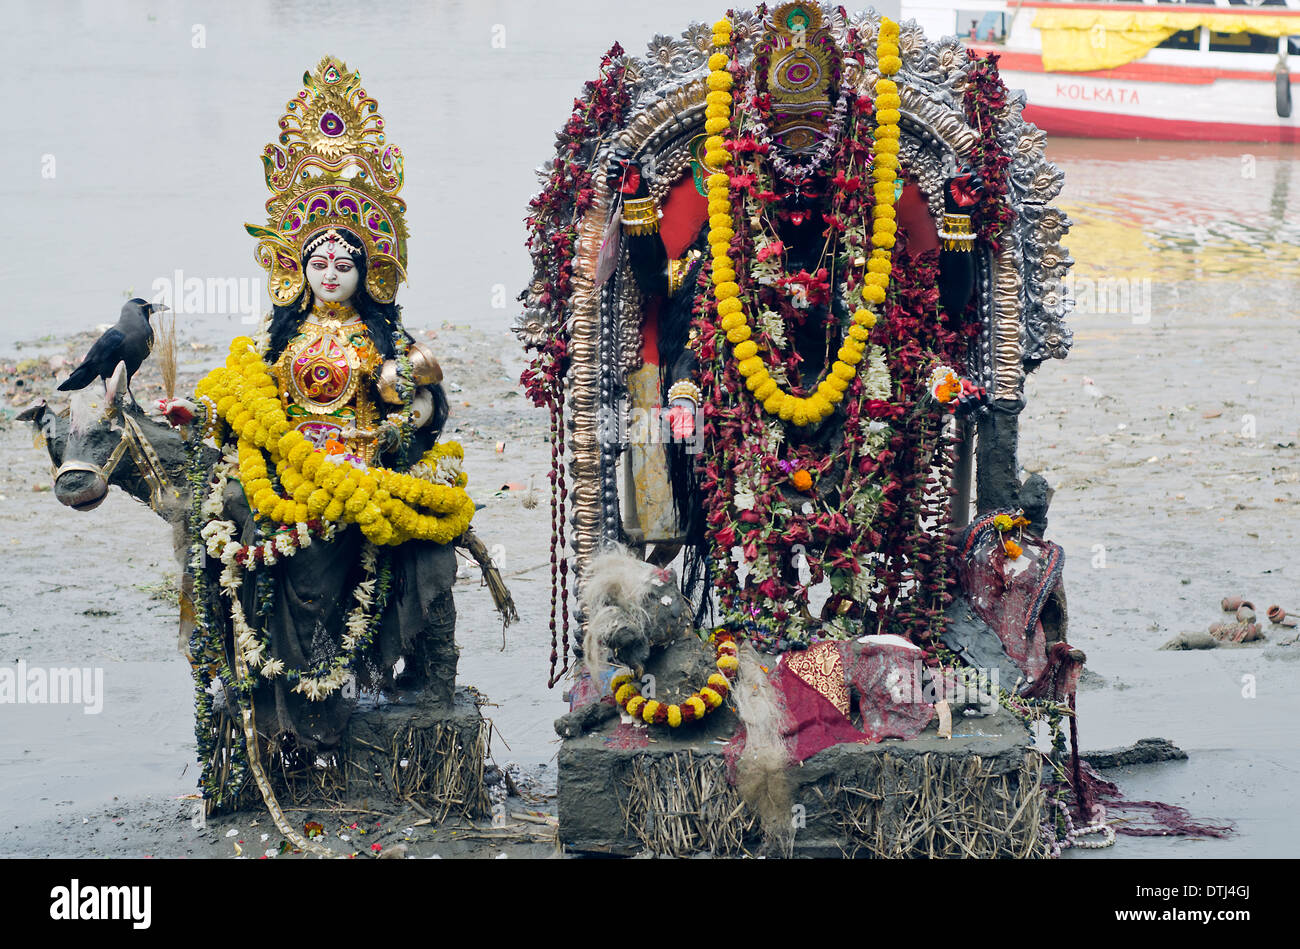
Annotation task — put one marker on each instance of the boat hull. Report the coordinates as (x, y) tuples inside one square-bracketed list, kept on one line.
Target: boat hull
[(1151, 101)]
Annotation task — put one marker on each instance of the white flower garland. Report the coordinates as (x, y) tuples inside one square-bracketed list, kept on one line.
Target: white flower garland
[(220, 543), (821, 154), (252, 648)]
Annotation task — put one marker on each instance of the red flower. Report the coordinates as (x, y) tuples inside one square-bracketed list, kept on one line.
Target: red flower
[(847, 185)]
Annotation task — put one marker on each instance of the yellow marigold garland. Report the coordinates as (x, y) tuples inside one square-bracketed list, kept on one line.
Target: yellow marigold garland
[(731, 309), (699, 704), (390, 507)]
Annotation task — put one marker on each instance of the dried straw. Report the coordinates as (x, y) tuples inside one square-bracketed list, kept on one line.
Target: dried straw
[(165, 347), (941, 806), (930, 805), (681, 804), (443, 774)]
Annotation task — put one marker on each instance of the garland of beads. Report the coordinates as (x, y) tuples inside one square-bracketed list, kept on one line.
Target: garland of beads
[(386, 505), (706, 699), (718, 118)]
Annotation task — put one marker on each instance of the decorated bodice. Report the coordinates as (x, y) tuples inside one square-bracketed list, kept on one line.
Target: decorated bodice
[(326, 381)]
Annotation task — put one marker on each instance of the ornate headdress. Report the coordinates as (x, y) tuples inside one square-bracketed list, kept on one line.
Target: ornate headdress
[(799, 75), (333, 168)]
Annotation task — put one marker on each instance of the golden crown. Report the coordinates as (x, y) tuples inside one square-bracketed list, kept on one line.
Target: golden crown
[(332, 168), (799, 75)]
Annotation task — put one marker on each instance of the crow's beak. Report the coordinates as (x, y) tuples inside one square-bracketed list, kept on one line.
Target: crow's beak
[(157, 308)]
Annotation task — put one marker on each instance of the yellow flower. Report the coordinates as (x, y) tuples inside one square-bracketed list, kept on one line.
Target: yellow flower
[(1002, 522), (649, 711), (674, 715)]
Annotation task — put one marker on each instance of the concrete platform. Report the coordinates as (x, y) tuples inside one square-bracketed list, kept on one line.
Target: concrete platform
[(624, 790), (430, 753)]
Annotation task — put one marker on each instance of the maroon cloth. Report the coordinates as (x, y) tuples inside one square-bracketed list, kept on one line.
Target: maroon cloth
[(886, 677), (1061, 679), (812, 723), (1007, 595), (913, 214)]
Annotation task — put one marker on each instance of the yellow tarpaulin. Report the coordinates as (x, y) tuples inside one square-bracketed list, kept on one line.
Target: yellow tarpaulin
[(1085, 40)]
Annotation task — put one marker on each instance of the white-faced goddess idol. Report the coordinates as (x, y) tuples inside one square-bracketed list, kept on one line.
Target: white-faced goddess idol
[(323, 557)]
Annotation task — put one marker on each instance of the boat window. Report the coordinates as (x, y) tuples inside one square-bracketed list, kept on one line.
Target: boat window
[(1183, 39), (983, 26), (1242, 43), (1256, 3)]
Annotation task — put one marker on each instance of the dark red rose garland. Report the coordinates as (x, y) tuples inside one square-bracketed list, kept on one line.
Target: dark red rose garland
[(552, 236), (984, 100)]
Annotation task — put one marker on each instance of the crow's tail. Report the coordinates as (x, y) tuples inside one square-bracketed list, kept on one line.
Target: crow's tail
[(81, 377)]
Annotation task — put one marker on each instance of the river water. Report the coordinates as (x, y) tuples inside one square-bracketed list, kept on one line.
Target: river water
[(131, 159)]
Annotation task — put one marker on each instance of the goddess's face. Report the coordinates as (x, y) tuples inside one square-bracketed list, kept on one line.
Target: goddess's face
[(332, 273)]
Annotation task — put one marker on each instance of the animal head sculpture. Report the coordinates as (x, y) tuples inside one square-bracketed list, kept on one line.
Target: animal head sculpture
[(630, 608), (109, 440)]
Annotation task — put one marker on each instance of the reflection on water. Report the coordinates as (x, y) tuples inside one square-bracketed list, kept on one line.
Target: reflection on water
[(155, 143), (1181, 211)]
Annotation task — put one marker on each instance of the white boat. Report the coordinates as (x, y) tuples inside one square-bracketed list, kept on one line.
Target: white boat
[(1213, 70)]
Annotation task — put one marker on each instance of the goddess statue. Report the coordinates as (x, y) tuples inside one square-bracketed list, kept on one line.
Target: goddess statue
[(817, 271), (323, 533)]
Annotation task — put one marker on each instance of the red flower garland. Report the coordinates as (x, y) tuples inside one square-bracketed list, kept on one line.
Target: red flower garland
[(552, 237)]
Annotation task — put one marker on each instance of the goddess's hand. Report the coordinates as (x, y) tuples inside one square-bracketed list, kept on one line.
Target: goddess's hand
[(681, 419), (176, 412)]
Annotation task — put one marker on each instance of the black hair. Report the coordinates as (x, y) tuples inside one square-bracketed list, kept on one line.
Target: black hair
[(382, 320)]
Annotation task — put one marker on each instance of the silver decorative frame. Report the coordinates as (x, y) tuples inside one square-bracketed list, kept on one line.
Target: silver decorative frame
[(1022, 306)]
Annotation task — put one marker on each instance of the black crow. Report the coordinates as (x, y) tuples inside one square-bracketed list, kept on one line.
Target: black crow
[(129, 341)]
